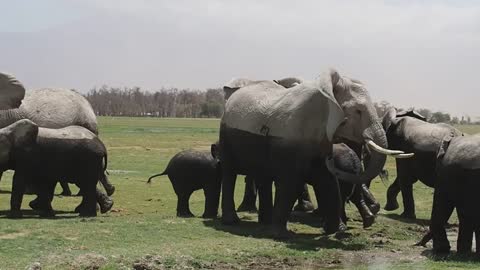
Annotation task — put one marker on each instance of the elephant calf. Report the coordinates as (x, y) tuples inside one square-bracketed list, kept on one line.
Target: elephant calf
[(42, 156), (192, 170)]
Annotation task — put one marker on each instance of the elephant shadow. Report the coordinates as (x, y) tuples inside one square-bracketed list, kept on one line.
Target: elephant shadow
[(451, 257), (32, 214), (418, 221), (298, 241), (5, 191)]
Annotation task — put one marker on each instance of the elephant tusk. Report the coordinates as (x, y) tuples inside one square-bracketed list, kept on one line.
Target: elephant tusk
[(408, 155), (382, 150)]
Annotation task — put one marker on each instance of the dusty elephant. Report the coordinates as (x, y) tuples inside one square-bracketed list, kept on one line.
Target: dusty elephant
[(191, 170), (42, 156), (50, 108), (409, 132), (271, 132)]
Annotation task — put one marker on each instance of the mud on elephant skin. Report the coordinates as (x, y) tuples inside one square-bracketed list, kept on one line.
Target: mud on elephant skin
[(409, 132), (191, 170), (272, 132), (42, 156)]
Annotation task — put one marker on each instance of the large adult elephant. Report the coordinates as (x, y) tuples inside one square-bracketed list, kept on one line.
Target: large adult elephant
[(51, 108), (271, 132), (410, 132)]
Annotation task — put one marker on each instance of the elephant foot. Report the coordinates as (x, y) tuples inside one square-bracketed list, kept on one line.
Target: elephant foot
[(106, 206), (281, 233), (304, 206), (47, 213), (78, 209), (230, 218), (15, 214), (265, 220), (247, 207), (332, 227), (317, 213), (374, 208), (441, 251), (34, 204), (368, 221), (408, 215), (86, 213), (391, 205), (185, 214), (211, 215), (110, 190)]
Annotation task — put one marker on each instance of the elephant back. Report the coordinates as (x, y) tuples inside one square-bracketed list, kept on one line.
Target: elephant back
[(306, 112), (58, 108)]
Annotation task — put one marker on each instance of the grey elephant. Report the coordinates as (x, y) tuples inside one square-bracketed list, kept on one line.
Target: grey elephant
[(409, 131), (271, 132), (42, 156), (191, 170), (50, 108), (457, 187)]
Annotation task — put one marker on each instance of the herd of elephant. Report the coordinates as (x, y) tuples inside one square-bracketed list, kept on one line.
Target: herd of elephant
[(50, 136), (288, 133), (326, 133)]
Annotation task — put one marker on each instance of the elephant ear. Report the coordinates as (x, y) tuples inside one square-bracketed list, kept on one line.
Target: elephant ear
[(388, 117), (233, 85), (412, 113), (289, 82), (336, 116), (11, 92)]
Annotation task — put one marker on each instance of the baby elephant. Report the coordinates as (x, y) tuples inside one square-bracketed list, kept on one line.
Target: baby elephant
[(42, 156), (192, 170)]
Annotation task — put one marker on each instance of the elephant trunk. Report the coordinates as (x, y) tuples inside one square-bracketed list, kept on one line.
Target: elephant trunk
[(8, 117), (376, 134)]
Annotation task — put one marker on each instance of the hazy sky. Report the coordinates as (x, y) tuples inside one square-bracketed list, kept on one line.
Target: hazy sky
[(411, 53)]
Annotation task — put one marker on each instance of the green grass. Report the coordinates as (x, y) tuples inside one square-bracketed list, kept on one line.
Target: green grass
[(143, 230)]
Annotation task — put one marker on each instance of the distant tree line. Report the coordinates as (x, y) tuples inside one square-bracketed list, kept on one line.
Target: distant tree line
[(173, 102), (432, 116)]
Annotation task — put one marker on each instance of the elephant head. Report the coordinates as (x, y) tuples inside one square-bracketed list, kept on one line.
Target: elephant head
[(360, 125), (391, 114), (11, 92), (19, 135)]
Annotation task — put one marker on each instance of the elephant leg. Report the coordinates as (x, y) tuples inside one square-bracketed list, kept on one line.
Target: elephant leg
[(408, 200), (304, 202), (104, 201), (89, 195), (249, 196), (465, 233), (425, 239), (18, 189), (370, 200), (65, 189), (183, 205), (286, 193), (212, 199), (45, 197), (358, 200), (331, 200), (441, 211), (392, 193), (265, 200), (229, 177), (107, 185)]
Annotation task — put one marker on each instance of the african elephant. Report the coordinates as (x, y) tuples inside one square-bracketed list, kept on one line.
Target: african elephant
[(271, 132), (408, 131), (344, 158), (50, 108), (191, 170), (42, 156), (457, 187)]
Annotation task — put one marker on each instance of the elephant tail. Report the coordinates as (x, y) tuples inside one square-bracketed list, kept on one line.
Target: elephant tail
[(153, 176)]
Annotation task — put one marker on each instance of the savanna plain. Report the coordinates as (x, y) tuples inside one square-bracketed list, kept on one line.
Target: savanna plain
[(143, 232)]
